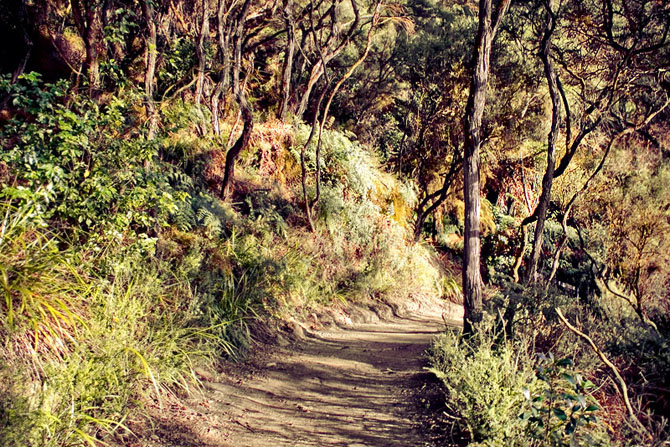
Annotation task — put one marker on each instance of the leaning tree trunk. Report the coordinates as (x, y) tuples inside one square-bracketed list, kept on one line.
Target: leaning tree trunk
[(426, 207), (245, 109), (472, 280), (314, 76), (548, 179)]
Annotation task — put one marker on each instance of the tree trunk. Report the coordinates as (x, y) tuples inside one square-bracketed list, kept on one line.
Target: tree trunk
[(472, 280), (423, 210), (88, 20), (245, 109), (203, 34), (314, 76), (336, 88), (548, 179), (23, 22), (289, 55), (150, 64), (223, 33), (234, 152)]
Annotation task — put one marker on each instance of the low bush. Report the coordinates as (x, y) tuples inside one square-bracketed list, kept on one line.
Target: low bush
[(499, 393)]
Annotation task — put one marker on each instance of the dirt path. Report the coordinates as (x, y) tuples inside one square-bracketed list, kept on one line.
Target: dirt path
[(340, 387)]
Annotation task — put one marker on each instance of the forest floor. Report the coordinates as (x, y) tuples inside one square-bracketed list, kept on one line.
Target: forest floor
[(354, 386)]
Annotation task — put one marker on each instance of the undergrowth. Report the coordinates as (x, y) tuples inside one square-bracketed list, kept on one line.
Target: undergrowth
[(499, 392), (527, 380)]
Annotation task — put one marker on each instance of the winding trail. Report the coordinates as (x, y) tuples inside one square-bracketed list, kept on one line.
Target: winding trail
[(349, 387)]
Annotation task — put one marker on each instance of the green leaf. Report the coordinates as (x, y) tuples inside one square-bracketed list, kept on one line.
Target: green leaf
[(560, 414), (565, 362), (569, 378), (588, 385)]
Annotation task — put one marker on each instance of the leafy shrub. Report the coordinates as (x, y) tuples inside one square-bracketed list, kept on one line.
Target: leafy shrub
[(500, 395), (563, 413), (484, 381), (91, 163)]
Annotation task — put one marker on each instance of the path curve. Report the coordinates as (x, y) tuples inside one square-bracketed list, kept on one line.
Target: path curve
[(349, 387)]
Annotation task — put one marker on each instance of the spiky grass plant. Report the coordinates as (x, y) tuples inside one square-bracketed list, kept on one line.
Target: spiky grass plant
[(41, 307)]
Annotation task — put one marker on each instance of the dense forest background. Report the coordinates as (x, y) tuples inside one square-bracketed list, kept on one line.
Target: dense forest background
[(173, 170)]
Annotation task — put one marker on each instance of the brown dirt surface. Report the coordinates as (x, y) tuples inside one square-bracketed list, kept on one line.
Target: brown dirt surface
[(354, 386)]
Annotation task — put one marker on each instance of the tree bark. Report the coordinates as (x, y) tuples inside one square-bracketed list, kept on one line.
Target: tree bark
[(425, 207), (548, 179), (224, 31), (245, 109), (327, 50), (568, 209), (150, 64), (203, 34), (88, 20), (336, 88), (289, 55), (472, 280)]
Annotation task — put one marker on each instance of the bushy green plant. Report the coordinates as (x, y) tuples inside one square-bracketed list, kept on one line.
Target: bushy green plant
[(40, 291), (484, 380), (92, 165), (563, 412), (500, 395), (128, 348)]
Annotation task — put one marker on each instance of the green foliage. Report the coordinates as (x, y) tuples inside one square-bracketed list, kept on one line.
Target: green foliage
[(500, 395), (364, 213), (41, 302), (484, 380), (137, 334), (80, 163), (563, 413), (178, 61)]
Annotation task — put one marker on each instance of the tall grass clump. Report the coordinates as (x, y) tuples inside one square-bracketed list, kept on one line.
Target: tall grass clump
[(82, 346)]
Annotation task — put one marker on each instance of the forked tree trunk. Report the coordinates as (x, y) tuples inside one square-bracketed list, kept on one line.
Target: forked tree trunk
[(472, 280), (336, 88), (426, 207), (548, 179), (245, 109)]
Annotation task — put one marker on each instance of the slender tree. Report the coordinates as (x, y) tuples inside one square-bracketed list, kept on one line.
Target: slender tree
[(203, 37), (150, 56), (472, 281), (548, 179), (241, 98), (87, 16)]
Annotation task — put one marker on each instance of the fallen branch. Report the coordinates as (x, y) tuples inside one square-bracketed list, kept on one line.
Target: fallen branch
[(615, 370)]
